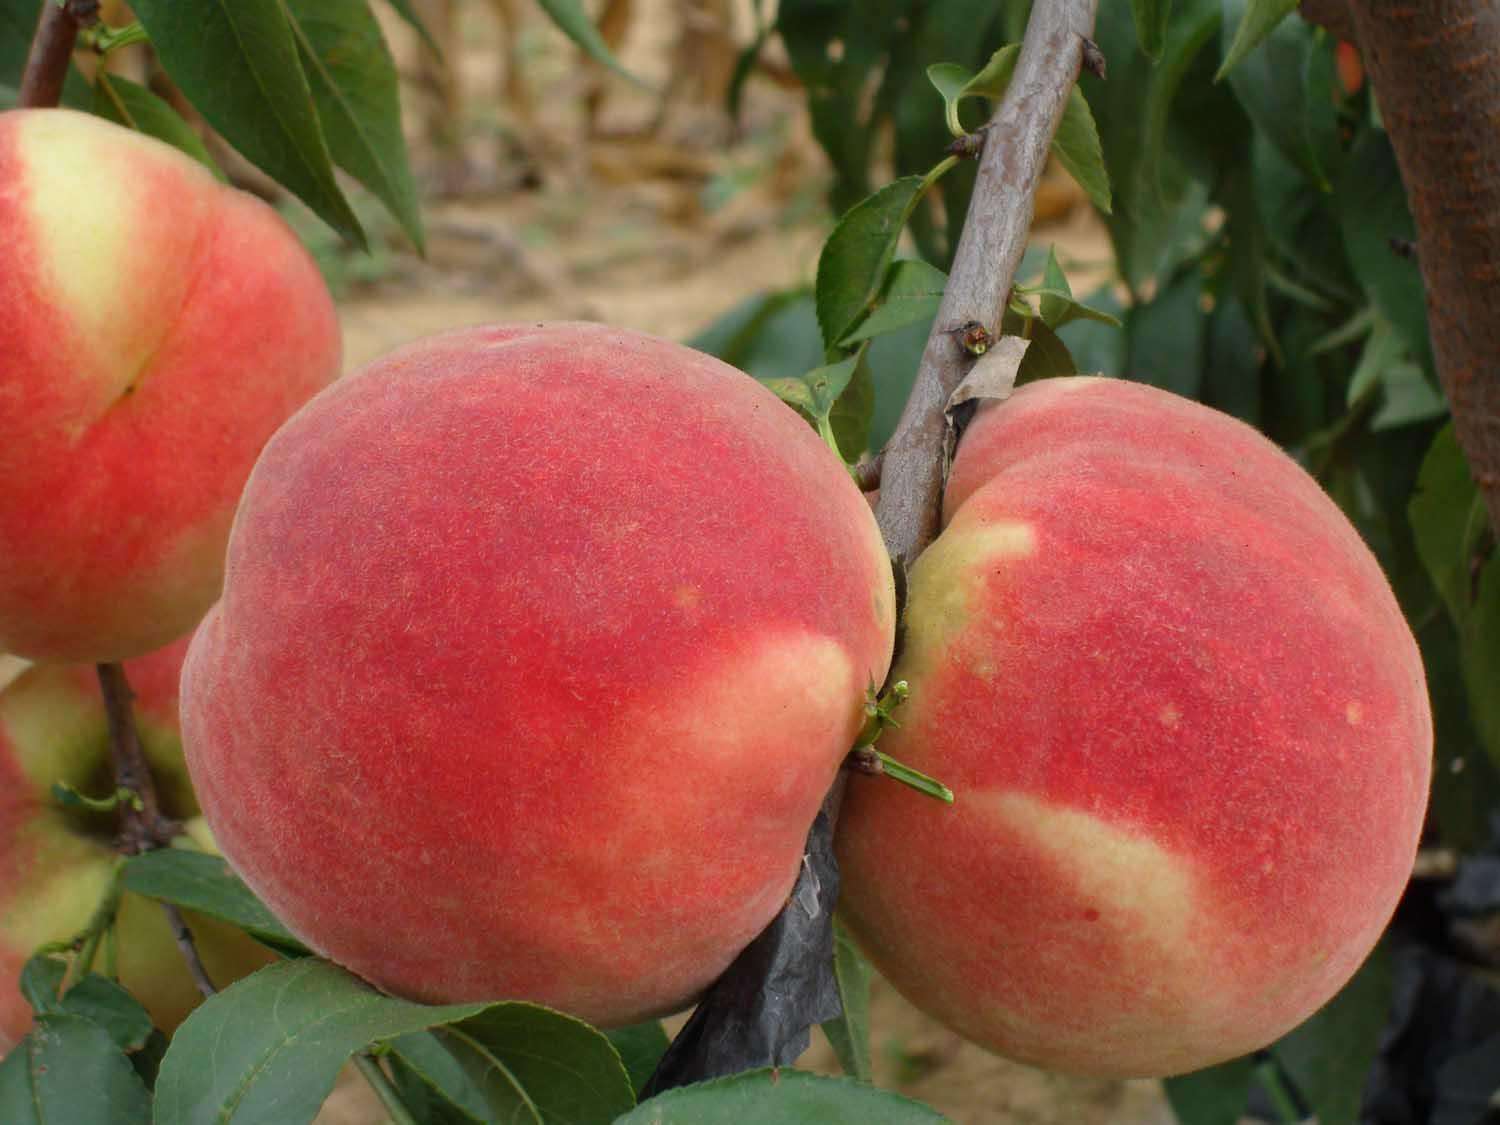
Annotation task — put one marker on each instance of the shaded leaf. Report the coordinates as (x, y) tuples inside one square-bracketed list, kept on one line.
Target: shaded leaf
[(1152, 17), (851, 268), (132, 105), (1328, 1055), (787, 1097), (574, 22), (851, 415), (1214, 1096), (641, 1047), (353, 81), (1046, 355), (205, 884), (1097, 348), (93, 997), (850, 1032), (1078, 149), (532, 1064), (266, 1050), (1448, 521), (1285, 85), (69, 1070), (237, 61), (1257, 20), (912, 292), (1166, 337)]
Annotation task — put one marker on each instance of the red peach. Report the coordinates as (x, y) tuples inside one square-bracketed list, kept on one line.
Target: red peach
[(539, 647), (1187, 727), (161, 326)]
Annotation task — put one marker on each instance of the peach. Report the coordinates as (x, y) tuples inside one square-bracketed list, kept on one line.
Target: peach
[(1188, 731), (539, 647), (55, 863), (159, 327)]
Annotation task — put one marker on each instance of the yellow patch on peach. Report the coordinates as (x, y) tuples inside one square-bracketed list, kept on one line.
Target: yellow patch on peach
[(120, 319), (946, 581), (1131, 881), (61, 890)]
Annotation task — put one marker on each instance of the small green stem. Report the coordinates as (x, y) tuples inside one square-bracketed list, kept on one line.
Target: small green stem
[(381, 1084), (100, 923)]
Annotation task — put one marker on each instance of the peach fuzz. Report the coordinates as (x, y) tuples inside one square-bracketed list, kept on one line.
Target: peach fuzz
[(55, 863), (1187, 727), (160, 326), (539, 648)]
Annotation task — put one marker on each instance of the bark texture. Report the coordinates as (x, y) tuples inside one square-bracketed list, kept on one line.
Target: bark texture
[(1435, 68), (984, 266)]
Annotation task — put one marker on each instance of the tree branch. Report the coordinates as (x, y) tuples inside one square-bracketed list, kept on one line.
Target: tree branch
[(1435, 69), (984, 266), (51, 49)]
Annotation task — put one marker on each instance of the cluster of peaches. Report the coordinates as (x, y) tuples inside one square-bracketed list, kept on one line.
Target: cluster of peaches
[(521, 660)]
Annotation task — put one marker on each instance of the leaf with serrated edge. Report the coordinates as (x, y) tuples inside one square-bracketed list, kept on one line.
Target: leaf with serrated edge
[(93, 997), (1260, 19), (237, 62), (912, 292), (787, 1097), (266, 1050), (852, 265), (205, 884), (354, 86), (68, 1071)]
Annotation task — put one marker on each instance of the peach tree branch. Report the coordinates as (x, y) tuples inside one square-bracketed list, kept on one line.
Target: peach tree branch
[(995, 231), (51, 49)]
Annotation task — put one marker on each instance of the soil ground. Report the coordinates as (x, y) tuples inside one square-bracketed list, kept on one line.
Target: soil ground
[(659, 220)]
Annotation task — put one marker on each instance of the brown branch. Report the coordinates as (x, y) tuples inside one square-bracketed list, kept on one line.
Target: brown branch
[(51, 50), (1331, 14), (1435, 70), (185, 945), (143, 825), (984, 266)]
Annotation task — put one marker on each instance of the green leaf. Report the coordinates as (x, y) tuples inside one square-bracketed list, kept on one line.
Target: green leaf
[(1076, 143), (8, 96), (1215, 1096), (912, 292), (93, 997), (1057, 304), (1047, 356), (787, 1097), (815, 392), (851, 268), (1095, 347), (1482, 659), (266, 1050), (132, 105), (68, 1070), (1152, 18), (818, 394), (1371, 209), (237, 61), (1409, 398), (1078, 149), (852, 414), (1285, 85), (850, 1033), (1232, 367), (1166, 337), (641, 1047), (574, 22), (523, 1063), (205, 884), (1329, 1055), (354, 87), (1259, 19)]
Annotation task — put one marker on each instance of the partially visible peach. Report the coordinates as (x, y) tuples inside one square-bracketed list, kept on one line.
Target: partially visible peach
[(55, 863), (159, 327)]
